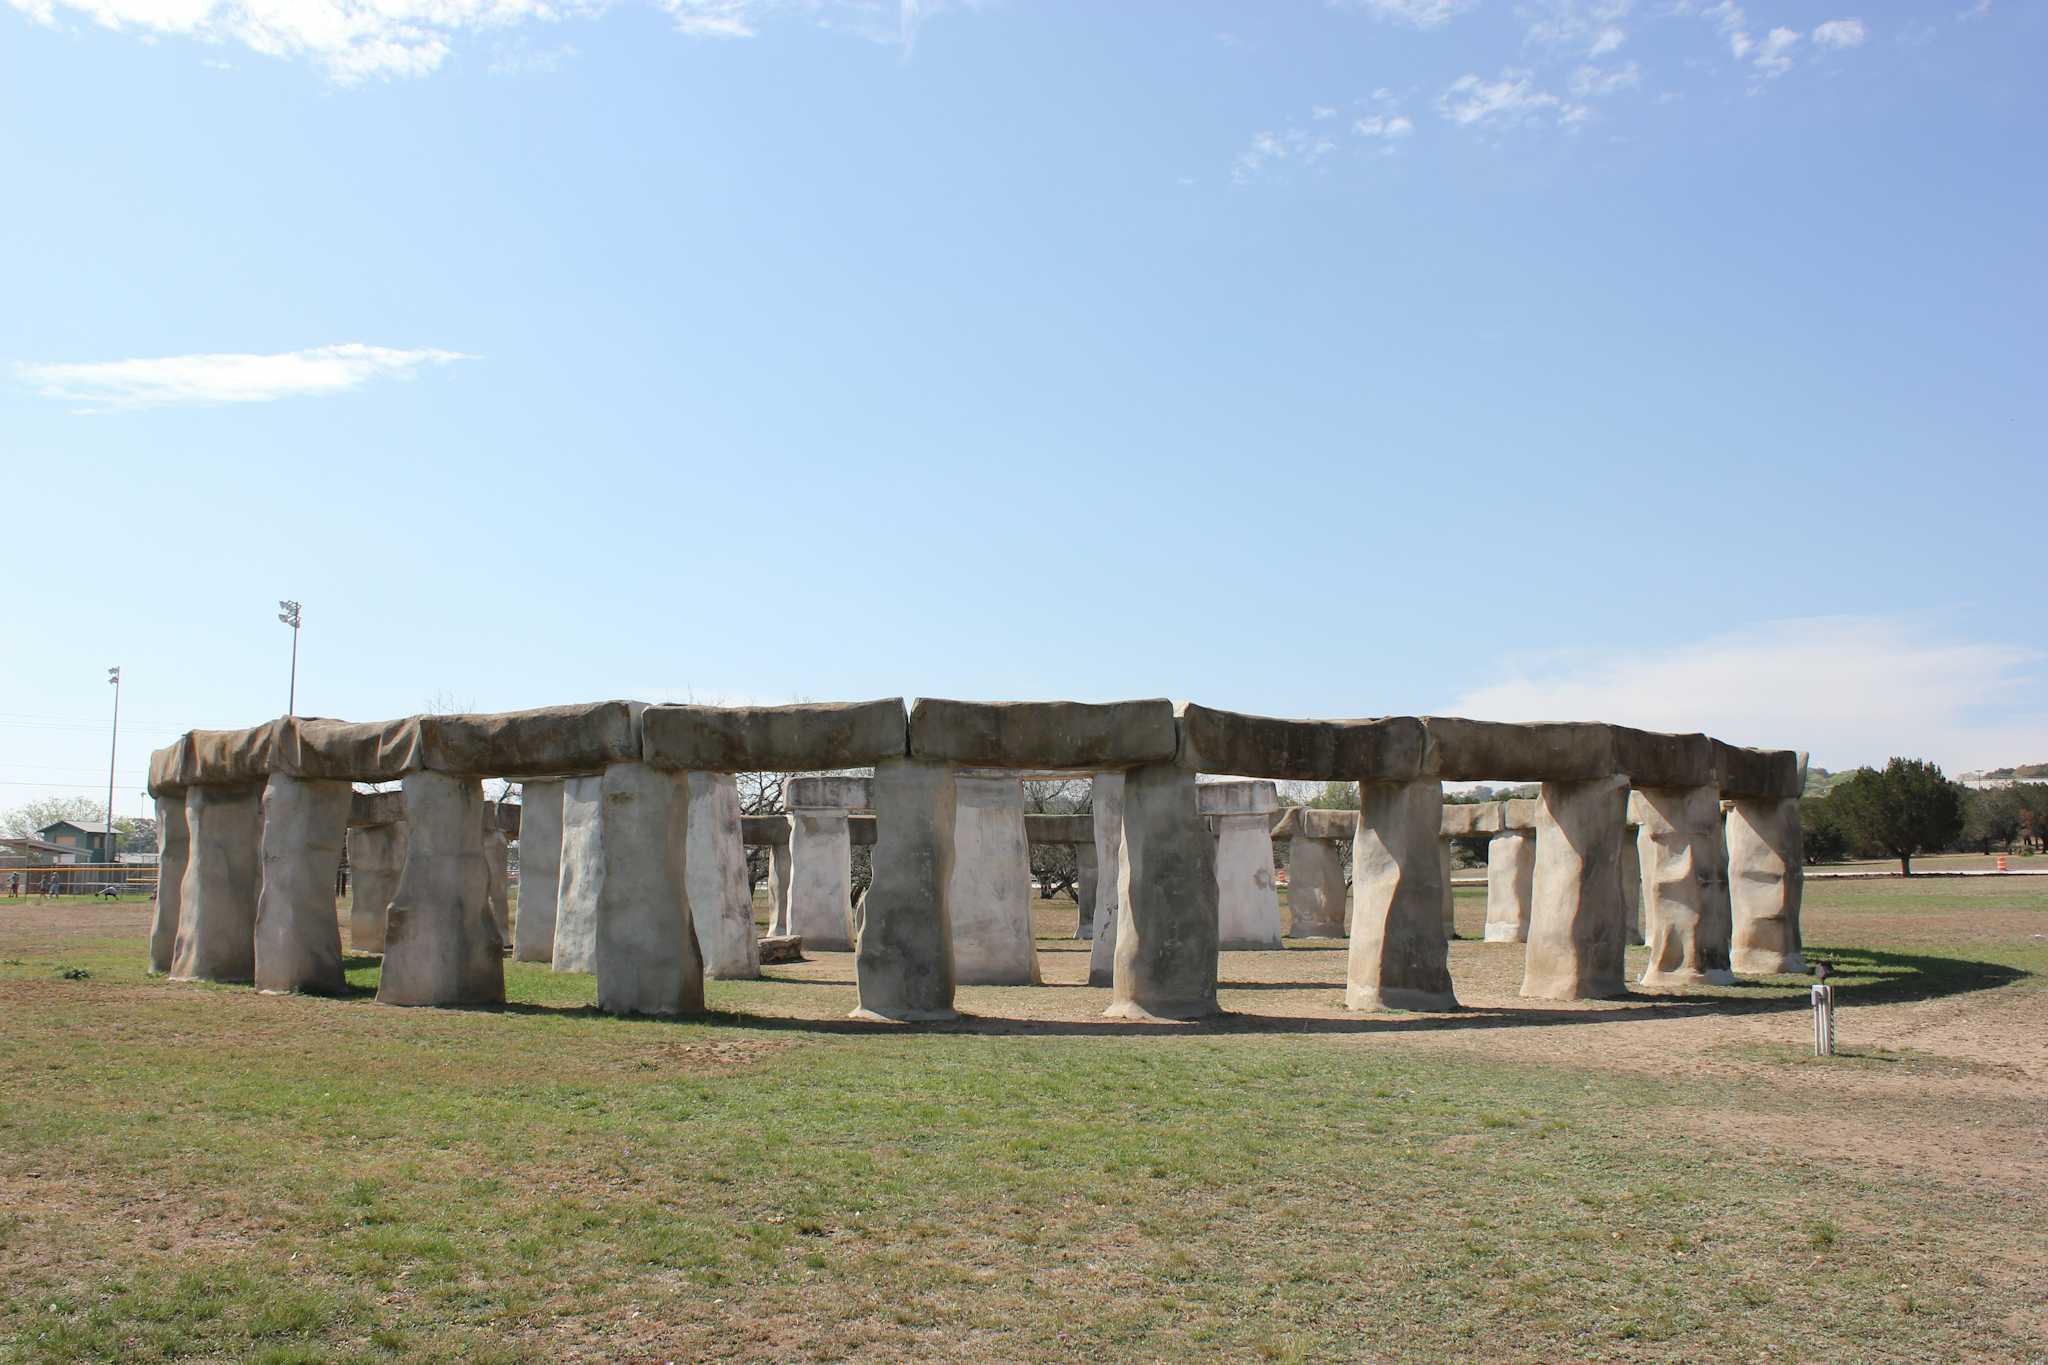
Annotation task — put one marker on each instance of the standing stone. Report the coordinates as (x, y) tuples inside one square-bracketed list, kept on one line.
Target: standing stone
[(1766, 884), (821, 879), (721, 901), (1678, 829), (217, 897), (298, 936), (376, 855), (173, 848), (1510, 879), (1450, 899), (1399, 958), (905, 968), (440, 945), (1247, 901), (988, 901), (1630, 864), (1315, 888), (1106, 802), (1575, 919), (498, 880), (647, 955), (540, 870), (579, 885), (1166, 916), (1086, 872), (778, 889)]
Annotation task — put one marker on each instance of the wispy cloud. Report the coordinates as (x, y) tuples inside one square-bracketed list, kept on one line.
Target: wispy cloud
[(1291, 146), (226, 378), (1387, 127), (1593, 82), (1591, 28), (1413, 13), (1840, 33), (1473, 101), (1852, 689)]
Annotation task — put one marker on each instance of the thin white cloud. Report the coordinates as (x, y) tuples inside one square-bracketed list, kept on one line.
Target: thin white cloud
[(1413, 13), (226, 378), (1293, 146), (1389, 127), (1591, 28), (1593, 82), (1851, 689), (1607, 40), (1473, 101), (1774, 54), (1840, 33)]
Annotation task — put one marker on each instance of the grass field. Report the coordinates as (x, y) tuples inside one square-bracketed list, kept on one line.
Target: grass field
[(195, 1172)]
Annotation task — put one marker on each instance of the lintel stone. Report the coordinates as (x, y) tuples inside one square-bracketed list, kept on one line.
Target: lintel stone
[(1388, 748), (801, 738), (1056, 735)]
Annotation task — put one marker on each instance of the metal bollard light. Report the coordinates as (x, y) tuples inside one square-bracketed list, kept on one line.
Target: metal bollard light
[(1823, 1020)]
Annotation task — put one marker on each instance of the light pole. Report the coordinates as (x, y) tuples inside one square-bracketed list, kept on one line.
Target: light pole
[(113, 747), (290, 616)]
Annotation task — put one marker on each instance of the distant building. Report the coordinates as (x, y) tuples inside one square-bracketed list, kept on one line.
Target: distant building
[(91, 841), (35, 853)]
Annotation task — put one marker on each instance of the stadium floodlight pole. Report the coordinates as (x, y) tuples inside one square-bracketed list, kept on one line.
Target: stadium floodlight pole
[(289, 614), (113, 747)]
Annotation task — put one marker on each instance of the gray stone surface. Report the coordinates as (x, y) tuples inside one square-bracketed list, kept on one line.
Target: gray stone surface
[(223, 871), (376, 856), (1398, 958), (1315, 888), (375, 808), (1757, 774), (1575, 921), (1087, 876), (545, 742), (1247, 899), (440, 946), (779, 868), (1448, 898), (579, 885), (1485, 750), (1249, 797), (498, 878), (1059, 829), (989, 897), (721, 901), (1107, 814), (1464, 818), (821, 880), (905, 968), (540, 870), (1519, 814), (1630, 866), (829, 793), (298, 936), (1166, 925), (1053, 735), (801, 738), (1683, 917), (174, 843), (647, 957), (1392, 748), (1767, 884), (1510, 885), (765, 830)]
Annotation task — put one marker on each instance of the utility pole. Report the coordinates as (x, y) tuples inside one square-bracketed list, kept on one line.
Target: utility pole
[(113, 747), (289, 614)]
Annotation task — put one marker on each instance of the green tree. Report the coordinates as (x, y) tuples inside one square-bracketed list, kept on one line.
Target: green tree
[(23, 821), (1821, 831), (1990, 817), (1907, 808)]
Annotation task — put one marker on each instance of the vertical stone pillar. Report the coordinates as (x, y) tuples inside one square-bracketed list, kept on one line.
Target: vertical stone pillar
[(1510, 880), (1766, 884), (778, 888), (498, 877), (1678, 832), (217, 897), (1400, 958), (1086, 874), (905, 969), (1106, 802), (1575, 918), (298, 935), (376, 857), (647, 955), (1450, 899), (173, 842), (988, 900), (540, 870), (1315, 888), (579, 884), (721, 901), (1630, 864), (1166, 923), (1247, 902), (821, 879), (440, 945)]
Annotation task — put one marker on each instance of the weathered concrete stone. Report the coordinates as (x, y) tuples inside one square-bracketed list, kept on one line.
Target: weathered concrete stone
[(1519, 814), (1056, 735), (540, 870), (1106, 813), (780, 949), (1575, 920), (778, 884), (721, 902), (1757, 774), (1679, 830), (440, 945), (1449, 897), (821, 880), (768, 831), (1398, 958), (905, 968), (1767, 884), (1315, 888), (1482, 750), (860, 831), (544, 742), (1630, 865), (1252, 797), (1058, 829), (498, 879), (375, 808), (1166, 927), (1087, 873), (174, 844), (647, 955), (298, 937), (801, 738), (989, 898), (223, 872), (1510, 882), (376, 857), (1247, 901), (1651, 758), (579, 886), (1391, 748), (829, 793), (1463, 819)]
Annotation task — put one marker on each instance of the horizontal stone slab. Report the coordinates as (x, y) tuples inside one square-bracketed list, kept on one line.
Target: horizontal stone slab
[(860, 831), (1463, 819), (1059, 829), (1068, 736), (549, 741), (1519, 813), (1237, 798), (1543, 751), (1649, 758), (800, 738), (354, 751), (1306, 822), (1756, 774), (369, 809), (829, 793), (1386, 749), (764, 830)]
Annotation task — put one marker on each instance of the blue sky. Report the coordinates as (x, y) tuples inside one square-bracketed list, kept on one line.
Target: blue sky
[(1668, 363)]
